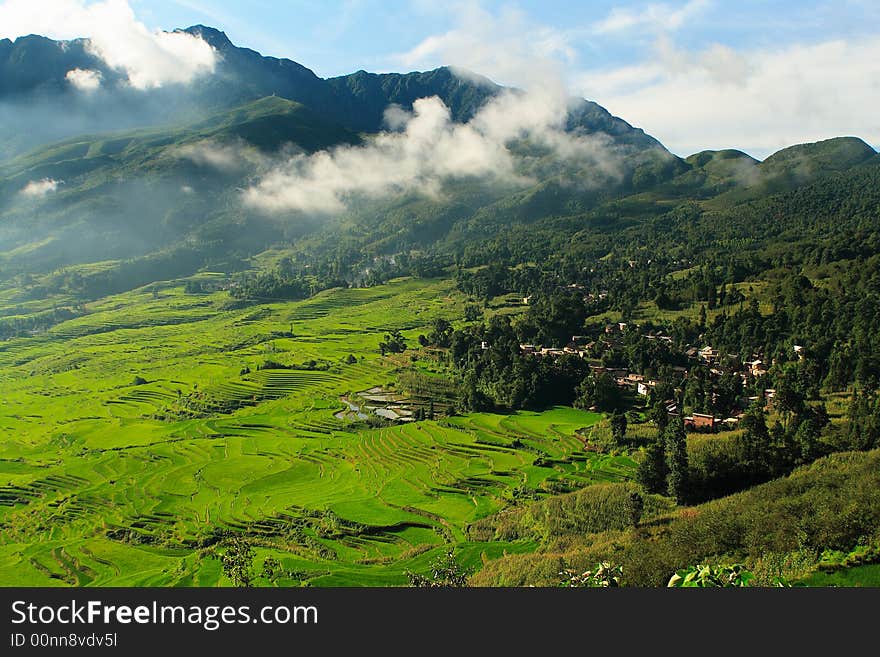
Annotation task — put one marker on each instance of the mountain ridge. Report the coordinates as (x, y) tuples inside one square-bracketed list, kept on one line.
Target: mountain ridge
[(36, 67), (129, 191)]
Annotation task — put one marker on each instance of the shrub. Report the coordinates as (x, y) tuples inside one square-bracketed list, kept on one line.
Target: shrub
[(705, 576)]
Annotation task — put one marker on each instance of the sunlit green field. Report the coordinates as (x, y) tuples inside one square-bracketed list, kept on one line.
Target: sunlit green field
[(107, 482)]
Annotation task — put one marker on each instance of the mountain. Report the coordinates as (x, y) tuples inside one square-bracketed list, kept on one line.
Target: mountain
[(127, 194), (150, 181), (33, 70), (795, 166), (37, 65), (123, 190)]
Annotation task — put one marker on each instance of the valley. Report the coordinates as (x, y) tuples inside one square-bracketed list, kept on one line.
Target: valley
[(270, 329)]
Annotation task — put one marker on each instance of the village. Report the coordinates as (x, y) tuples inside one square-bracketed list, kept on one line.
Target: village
[(750, 371)]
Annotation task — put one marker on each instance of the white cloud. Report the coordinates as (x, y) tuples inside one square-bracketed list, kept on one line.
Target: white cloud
[(722, 96), (149, 59), (758, 101), (84, 79), (507, 47), (40, 188), (430, 150), (654, 17), (228, 157), (427, 149)]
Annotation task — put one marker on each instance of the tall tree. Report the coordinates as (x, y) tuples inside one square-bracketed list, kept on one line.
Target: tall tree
[(678, 480), (618, 427), (659, 415), (652, 470)]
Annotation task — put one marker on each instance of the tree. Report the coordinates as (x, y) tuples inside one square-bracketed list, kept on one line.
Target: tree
[(806, 438), (618, 427), (600, 392), (635, 506), (663, 301), (552, 319), (652, 470), (659, 415), (840, 369), (445, 573), (238, 562), (272, 569), (441, 333), (394, 343), (678, 479), (472, 312), (863, 429), (789, 400)]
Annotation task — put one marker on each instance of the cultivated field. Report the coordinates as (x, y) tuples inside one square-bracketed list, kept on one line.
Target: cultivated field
[(139, 436)]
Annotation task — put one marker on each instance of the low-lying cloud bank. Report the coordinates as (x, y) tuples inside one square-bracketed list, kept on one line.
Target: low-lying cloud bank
[(425, 148), (430, 148), (149, 59), (230, 157)]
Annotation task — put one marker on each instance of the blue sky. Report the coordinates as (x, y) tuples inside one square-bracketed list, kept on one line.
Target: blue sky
[(697, 74), (338, 37)]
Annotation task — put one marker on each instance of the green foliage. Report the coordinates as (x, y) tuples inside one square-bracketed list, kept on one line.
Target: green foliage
[(603, 575), (237, 560), (750, 258), (272, 570), (594, 509), (445, 572), (832, 504), (440, 335), (653, 470), (863, 427), (472, 313), (635, 507), (707, 576), (618, 427), (394, 343), (600, 392), (678, 479), (496, 374)]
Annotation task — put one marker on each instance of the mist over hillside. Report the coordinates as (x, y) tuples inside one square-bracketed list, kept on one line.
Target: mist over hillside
[(112, 158)]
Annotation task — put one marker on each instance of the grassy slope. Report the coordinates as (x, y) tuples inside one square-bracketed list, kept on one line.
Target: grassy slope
[(83, 452), (831, 504)]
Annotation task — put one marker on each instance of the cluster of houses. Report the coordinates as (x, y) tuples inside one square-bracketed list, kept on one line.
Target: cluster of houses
[(638, 383)]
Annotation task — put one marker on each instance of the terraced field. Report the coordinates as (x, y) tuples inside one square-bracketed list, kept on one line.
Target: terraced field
[(137, 437)]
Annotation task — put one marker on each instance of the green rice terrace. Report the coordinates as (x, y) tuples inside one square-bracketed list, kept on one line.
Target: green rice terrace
[(141, 433)]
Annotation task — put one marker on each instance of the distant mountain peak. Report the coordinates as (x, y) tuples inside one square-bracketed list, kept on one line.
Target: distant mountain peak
[(211, 35)]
